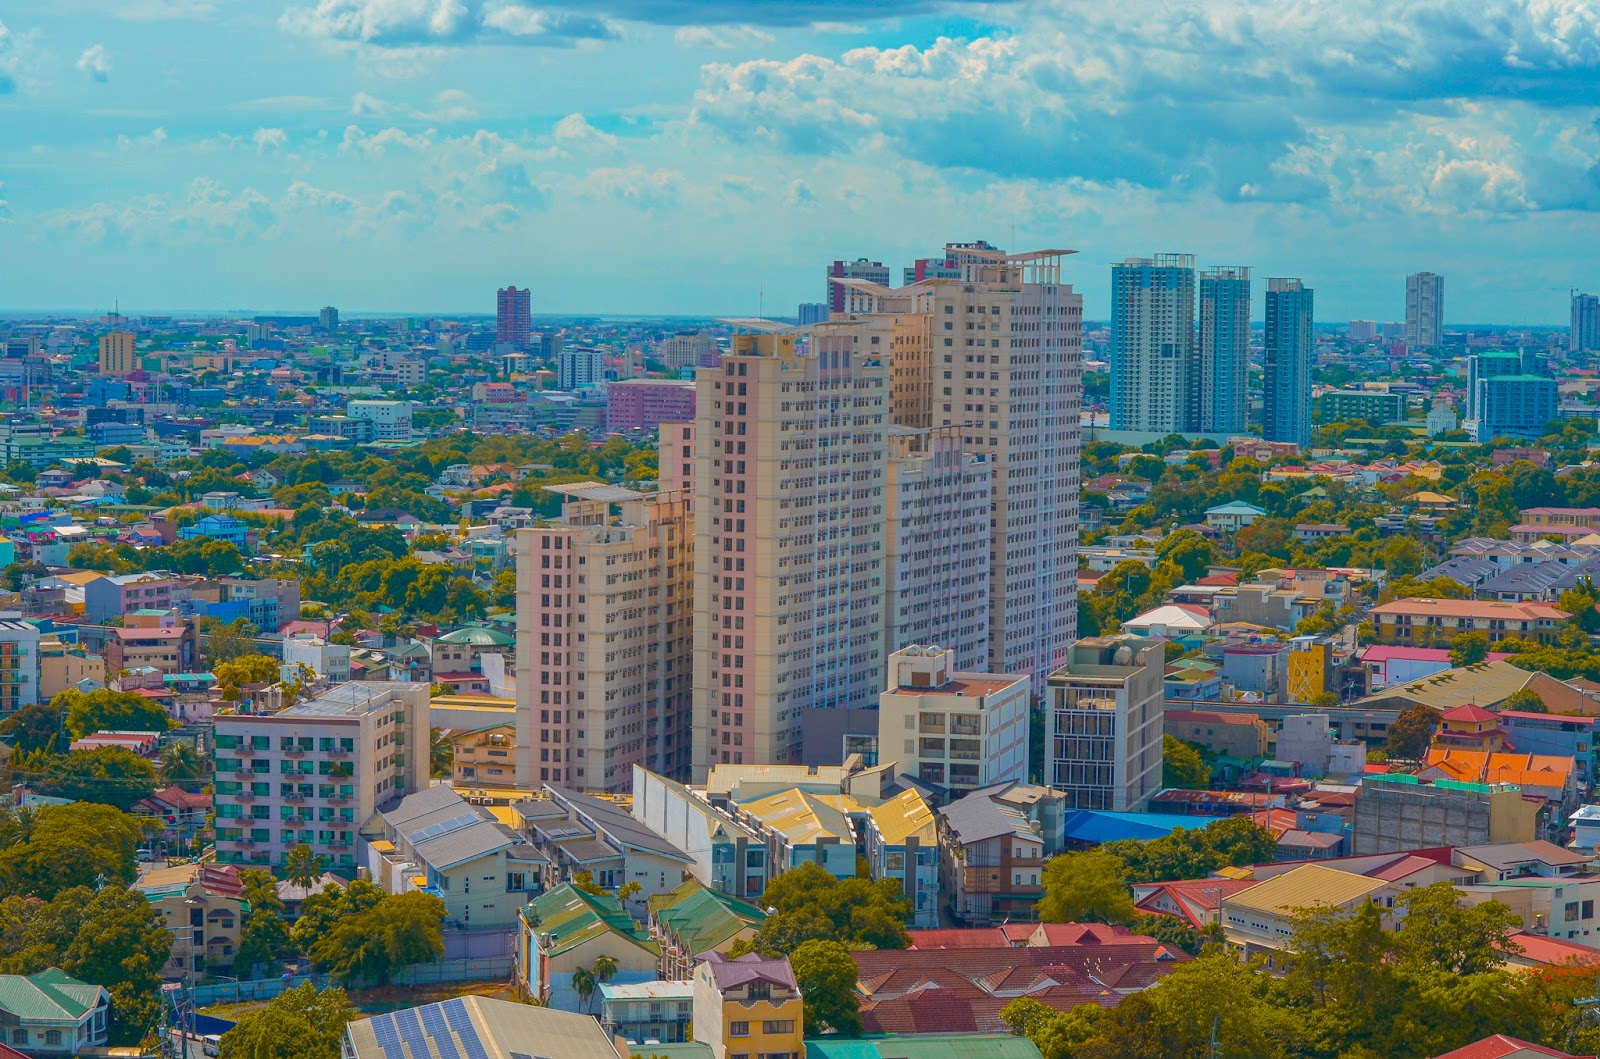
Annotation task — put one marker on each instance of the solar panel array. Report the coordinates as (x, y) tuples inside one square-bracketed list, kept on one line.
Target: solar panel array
[(433, 1021), (415, 1029), (435, 830), (383, 1029), (455, 1013)]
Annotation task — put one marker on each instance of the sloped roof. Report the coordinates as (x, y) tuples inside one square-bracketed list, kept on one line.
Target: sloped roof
[(1308, 886), (50, 994), (702, 919), (729, 972), (800, 817), (573, 917)]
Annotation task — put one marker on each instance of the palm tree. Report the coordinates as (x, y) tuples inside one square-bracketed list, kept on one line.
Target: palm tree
[(301, 866), (583, 981), (181, 765), (441, 755), (605, 968)]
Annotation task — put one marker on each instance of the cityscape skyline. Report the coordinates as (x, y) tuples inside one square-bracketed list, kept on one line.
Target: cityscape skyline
[(359, 153)]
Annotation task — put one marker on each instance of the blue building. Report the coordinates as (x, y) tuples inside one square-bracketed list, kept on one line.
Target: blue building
[(101, 391), (1557, 735), (1513, 406), (1289, 347), (1224, 349), (217, 528)]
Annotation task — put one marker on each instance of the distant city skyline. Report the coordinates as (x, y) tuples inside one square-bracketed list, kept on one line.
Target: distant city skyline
[(628, 157)]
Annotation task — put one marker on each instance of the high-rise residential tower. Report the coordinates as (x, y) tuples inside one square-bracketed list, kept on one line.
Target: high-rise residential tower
[(513, 316), (1289, 350), (1585, 333), (860, 268), (1224, 349), (1424, 311), (117, 353), (790, 456), (1155, 366), (328, 319), (580, 366), (604, 639)]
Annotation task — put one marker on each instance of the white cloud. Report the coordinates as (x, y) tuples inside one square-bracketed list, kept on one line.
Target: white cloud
[(154, 138), (722, 37), (639, 186), (451, 105), (95, 62), (365, 106), (269, 140), (409, 24), (575, 130), (5, 206), (205, 211)]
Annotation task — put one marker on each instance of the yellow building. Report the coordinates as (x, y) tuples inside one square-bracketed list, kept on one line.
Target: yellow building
[(485, 757), (748, 1007), (117, 354), (63, 666)]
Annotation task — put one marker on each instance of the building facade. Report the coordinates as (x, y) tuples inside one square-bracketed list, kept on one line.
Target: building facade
[(391, 420), (1583, 335), (1289, 351), (1104, 723), (579, 366), (513, 316), (1514, 406), (1224, 349), (1376, 408), (951, 729), (937, 544), (644, 404), (605, 616), (1424, 311), (117, 355), (1155, 365), (860, 268)]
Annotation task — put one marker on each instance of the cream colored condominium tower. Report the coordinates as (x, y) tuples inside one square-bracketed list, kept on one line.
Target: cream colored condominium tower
[(789, 484)]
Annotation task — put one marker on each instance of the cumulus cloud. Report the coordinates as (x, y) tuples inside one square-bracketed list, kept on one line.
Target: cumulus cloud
[(205, 211), (722, 37), (154, 138), (95, 62), (269, 140), (639, 186), (407, 24)]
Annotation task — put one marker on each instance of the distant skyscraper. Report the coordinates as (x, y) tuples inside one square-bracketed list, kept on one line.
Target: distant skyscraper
[(1509, 395), (513, 316), (117, 353), (1585, 333), (812, 313), (329, 318), (947, 267), (1224, 349), (1424, 311), (1155, 368), (1287, 362), (1362, 330), (860, 268)]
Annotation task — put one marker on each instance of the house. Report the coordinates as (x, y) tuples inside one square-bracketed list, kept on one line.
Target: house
[(1198, 902), (993, 845), (1500, 1046), (1236, 735), (582, 833), (1232, 516), (484, 757), (1470, 727), (903, 845), (477, 1027), (175, 809), (694, 920), (566, 929), (748, 1005), (203, 907), (1261, 919), (724, 853), (1171, 621), (803, 828), (224, 528), (52, 1013)]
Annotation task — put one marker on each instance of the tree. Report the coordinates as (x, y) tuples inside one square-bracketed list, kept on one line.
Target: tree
[(1177, 932), (34, 727), (264, 936), (809, 903), (371, 946), (182, 765), (1057, 1034), (1469, 648), (301, 866), (109, 711), (244, 670), (583, 984), (1182, 766), (1193, 853), (122, 945), (321, 911), (299, 1023), (1443, 933), (827, 978), (220, 641), (110, 774), (1412, 731), (441, 754), (71, 845), (1087, 886), (1526, 701)]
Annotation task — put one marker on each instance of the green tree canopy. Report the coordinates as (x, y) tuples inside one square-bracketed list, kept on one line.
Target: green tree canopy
[(1182, 766), (811, 904), (1087, 886), (113, 775), (827, 975), (109, 711), (70, 845), (299, 1023), (1411, 732), (1526, 701), (401, 930), (34, 727)]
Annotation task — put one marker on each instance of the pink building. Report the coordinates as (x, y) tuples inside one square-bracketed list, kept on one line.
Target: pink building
[(644, 404)]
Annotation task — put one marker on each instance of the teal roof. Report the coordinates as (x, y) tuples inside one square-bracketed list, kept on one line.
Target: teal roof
[(1236, 507), (51, 994), (925, 1046), (575, 917), (702, 918), (477, 636)]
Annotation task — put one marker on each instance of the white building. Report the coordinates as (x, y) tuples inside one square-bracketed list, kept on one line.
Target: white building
[(952, 729), (316, 772), (391, 420), (1104, 723), (580, 366), (937, 544), (1424, 311), (330, 661), (1155, 363)]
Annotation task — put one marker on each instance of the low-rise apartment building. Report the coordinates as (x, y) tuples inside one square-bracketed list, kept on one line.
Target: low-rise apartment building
[(954, 730), (203, 907), (993, 845), (1103, 723), (317, 771), (1430, 622)]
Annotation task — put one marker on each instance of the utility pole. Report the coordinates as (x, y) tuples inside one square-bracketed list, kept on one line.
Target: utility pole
[(1216, 1045)]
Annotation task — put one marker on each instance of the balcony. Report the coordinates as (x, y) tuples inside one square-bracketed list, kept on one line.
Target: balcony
[(294, 797), (338, 846), (242, 773), (338, 752), (338, 799), (245, 796), (245, 751), (298, 751)]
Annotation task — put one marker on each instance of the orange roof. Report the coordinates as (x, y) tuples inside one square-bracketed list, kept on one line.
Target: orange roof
[(1524, 770), (1473, 608), (1469, 714)]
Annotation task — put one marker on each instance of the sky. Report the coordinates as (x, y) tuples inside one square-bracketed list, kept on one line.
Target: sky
[(711, 156)]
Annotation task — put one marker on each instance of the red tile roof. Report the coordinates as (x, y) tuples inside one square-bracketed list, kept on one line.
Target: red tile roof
[(973, 938), (1500, 1046), (1469, 713)]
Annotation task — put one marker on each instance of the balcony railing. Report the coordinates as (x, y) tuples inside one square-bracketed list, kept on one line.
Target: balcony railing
[(296, 797), (338, 752)]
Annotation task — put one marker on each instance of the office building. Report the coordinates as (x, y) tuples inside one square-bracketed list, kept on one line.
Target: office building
[(1155, 366), (998, 354), (1513, 406), (1224, 349), (686, 349), (1362, 330), (1584, 335), (1289, 350), (1374, 406), (1104, 723), (580, 366), (937, 544), (316, 772), (949, 728), (809, 313), (860, 268), (328, 319), (117, 353), (789, 548), (513, 316), (1424, 311), (949, 266), (605, 602), (391, 420), (644, 404)]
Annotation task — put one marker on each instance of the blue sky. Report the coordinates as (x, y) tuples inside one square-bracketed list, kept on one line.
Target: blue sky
[(703, 156)]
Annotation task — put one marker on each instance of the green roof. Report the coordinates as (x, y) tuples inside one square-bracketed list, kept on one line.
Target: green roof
[(702, 919), (925, 1046), (477, 636), (51, 994), (574, 917)]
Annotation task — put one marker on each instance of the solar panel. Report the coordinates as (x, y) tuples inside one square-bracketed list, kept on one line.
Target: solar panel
[(455, 1012), (389, 1040), (411, 1031), (433, 1021), (435, 830)]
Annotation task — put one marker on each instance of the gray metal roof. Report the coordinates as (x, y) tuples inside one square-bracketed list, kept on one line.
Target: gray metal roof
[(979, 816), (477, 1026), (618, 823), (351, 700)]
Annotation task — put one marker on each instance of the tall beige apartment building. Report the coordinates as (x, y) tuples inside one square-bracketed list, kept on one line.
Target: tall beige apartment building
[(937, 545), (997, 354), (605, 603), (790, 574), (117, 353)]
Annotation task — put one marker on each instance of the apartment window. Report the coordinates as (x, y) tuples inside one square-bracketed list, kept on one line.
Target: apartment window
[(778, 1026), (738, 1029)]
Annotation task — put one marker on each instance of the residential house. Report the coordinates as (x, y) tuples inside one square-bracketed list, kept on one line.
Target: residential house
[(566, 929), (902, 843), (477, 1027), (1261, 919), (585, 833), (748, 1006), (484, 757), (52, 1013), (993, 845), (694, 920), (1437, 621), (803, 828)]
